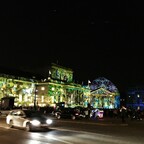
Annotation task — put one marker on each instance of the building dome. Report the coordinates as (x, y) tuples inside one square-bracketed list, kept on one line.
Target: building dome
[(102, 82)]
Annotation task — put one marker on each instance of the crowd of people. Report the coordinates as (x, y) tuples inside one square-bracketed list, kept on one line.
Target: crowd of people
[(127, 113)]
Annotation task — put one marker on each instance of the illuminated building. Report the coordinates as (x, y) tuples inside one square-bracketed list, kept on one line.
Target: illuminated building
[(135, 97), (19, 87), (104, 94), (58, 87)]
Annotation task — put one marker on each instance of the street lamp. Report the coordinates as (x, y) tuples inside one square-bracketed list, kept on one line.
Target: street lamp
[(35, 96), (89, 82)]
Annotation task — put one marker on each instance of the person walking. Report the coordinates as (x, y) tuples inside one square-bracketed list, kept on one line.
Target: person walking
[(123, 114)]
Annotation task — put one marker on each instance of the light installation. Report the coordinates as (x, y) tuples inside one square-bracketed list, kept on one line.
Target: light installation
[(60, 87), (61, 74), (104, 94), (20, 88)]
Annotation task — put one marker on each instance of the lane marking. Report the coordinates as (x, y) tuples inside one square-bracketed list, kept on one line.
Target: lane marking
[(63, 141)]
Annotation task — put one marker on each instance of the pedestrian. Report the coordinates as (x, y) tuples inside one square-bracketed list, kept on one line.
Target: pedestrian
[(123, 114), (89, 110), (138, 114)]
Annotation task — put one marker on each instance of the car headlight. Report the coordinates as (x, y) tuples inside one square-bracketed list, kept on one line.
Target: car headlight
[(49, 121), (35, 122)]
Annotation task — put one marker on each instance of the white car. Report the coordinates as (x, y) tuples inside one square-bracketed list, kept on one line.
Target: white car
[(97, 113), (27, 119)]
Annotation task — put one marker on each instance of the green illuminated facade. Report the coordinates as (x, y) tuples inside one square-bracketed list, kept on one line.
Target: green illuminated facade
[(60, 88), (20, 88), (57, 87)]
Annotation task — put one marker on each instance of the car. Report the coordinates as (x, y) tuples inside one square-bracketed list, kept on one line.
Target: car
[(68, 113), (28, 119), (97, 113)]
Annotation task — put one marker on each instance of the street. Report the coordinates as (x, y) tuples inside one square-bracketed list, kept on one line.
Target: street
[(108, 131)]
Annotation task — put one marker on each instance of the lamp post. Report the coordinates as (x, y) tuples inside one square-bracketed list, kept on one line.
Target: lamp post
[(35, 95), (89, 82)]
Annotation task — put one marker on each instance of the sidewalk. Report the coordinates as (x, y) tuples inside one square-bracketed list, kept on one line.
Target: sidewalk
[(113, 121)]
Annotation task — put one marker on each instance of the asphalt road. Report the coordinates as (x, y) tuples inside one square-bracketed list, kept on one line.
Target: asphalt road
[(104, 131)]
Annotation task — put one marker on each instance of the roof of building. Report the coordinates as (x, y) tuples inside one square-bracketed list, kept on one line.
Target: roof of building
[(19, 73)]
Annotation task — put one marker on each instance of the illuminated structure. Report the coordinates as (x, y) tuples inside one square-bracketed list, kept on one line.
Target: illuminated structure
[(135, 97), (104, 94), (19, 87), (58, 87)]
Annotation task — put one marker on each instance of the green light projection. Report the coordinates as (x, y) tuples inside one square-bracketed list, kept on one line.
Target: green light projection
[(13, 87), (61, 74)]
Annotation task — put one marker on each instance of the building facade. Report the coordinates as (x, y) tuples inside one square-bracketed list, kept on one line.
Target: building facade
[(104, 94), (58, 87), (135, 97)]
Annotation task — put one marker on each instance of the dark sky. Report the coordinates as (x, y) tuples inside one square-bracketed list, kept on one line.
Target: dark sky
[(95, 39)]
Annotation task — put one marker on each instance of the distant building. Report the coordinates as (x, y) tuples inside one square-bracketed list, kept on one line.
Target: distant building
[(135, 97)]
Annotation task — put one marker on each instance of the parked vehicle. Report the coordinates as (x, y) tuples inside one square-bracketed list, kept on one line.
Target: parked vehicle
[(70, 113), (96, 113), (28, 120)]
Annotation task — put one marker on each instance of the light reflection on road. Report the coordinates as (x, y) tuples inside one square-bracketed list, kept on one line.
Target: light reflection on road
[(60, 135), (47, 136)]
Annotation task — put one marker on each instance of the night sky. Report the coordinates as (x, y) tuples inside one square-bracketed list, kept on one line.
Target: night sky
[(94, 39)]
